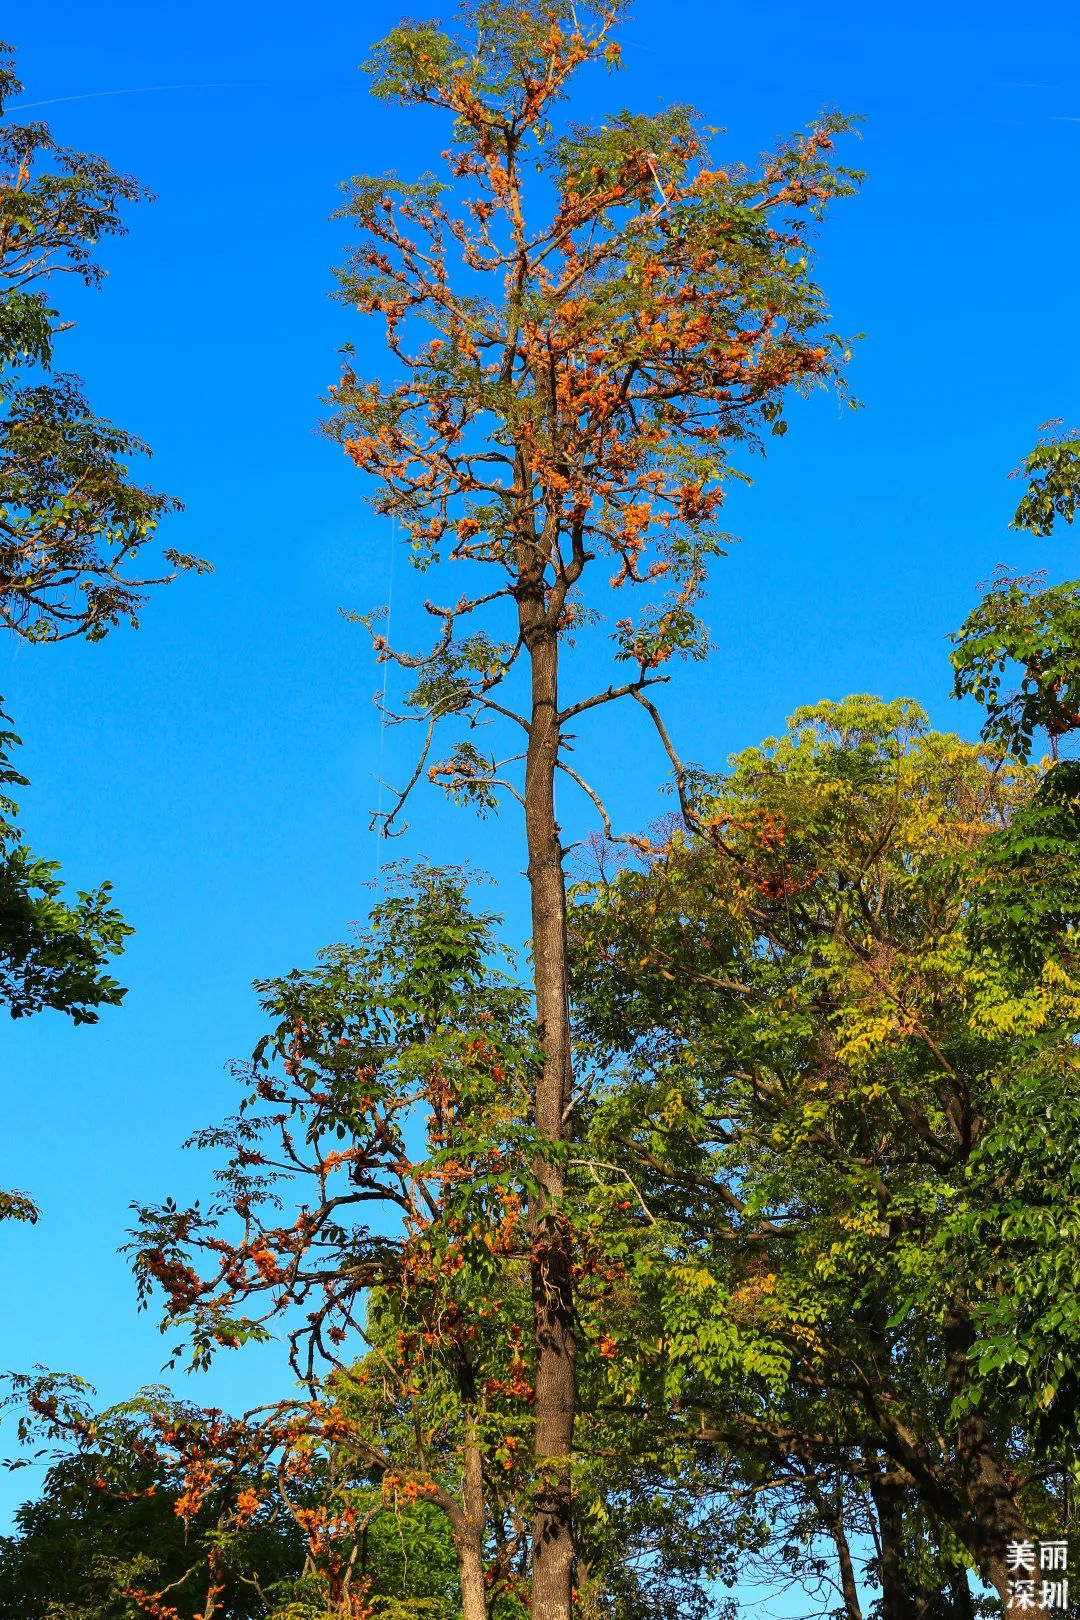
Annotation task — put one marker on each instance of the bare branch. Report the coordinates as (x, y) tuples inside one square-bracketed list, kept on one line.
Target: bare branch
[(669, 748), (596, 799), (593, 1165), (388, 817), (631, 689)]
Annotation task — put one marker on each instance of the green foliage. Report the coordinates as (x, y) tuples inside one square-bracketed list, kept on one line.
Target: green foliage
[(71, 518), (1024, 923), (1021, 1238), (52, 953), (837, 1025), (1023, 622), (71, 522), (1027, 901), (419, 62), (1053, 473), (104, 1529)]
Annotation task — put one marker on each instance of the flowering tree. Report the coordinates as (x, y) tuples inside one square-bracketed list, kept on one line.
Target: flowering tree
[(371, 1211), (581, 324), (117, 1517), (168, 1510)]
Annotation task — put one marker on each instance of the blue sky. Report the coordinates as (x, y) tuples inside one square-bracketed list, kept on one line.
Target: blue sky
[(218, 765)]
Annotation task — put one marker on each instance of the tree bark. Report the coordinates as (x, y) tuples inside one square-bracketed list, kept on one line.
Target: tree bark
[(552, 1282), (469, 1534), (993, 1516), (848, 1585), (894, 1592), (963, 1606), (831, 1514)]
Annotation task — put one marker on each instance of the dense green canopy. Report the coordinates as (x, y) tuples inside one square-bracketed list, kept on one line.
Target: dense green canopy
[(848, 1114)]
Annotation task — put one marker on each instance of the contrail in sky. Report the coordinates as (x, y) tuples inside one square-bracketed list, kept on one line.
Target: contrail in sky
[(139, 90)]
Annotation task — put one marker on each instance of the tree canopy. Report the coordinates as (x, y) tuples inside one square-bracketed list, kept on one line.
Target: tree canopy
[(583, 321), (851, 1114), (732, 1226), (71, 521), (71, 518)]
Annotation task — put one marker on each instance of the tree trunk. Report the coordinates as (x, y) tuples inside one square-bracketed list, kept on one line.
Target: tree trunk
[(967, 1491), (469, 1534), (960, 1597), (831, 1513), (894, 1591), (848, 1585), (992, 1514), (473, 1590), (552, 1284)]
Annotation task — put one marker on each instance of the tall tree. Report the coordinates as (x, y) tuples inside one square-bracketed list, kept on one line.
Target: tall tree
[(580, 325), (371, 1204), (371, 1209)]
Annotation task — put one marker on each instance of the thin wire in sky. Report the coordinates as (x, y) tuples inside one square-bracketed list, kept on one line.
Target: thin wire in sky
[(137, 90), (382, 713)]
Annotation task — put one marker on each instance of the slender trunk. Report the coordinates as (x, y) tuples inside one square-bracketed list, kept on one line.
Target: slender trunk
[(831, 1513), (469, 1534), (552, 1284), (963, 1606), (848, 1585)]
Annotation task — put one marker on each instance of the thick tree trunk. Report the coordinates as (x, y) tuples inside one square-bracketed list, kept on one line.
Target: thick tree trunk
[(552, 1284), (473, 1590), (894, 1590), (993, 1516)]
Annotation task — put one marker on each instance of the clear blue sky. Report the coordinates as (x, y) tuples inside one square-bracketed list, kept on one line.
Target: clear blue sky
[(218, 765)]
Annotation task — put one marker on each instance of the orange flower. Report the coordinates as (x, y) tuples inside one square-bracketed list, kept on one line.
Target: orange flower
[(247, 1505)]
